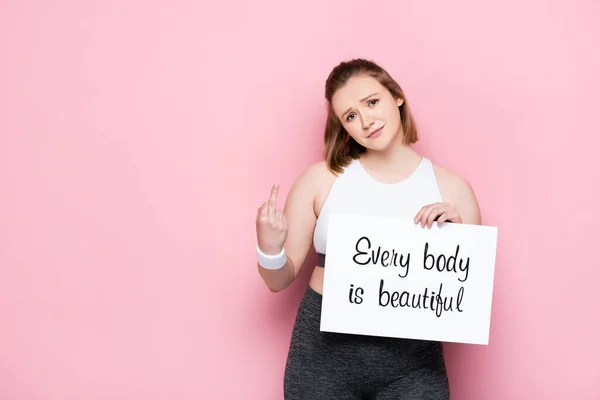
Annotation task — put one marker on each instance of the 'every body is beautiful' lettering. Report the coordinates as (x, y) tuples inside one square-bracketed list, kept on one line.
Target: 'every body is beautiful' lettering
[(366, 255), (396, 259)]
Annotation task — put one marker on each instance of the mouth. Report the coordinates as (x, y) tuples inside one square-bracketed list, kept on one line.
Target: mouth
[(375, 133)]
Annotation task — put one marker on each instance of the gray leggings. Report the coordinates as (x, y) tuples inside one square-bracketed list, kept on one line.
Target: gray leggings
[(325, 365)]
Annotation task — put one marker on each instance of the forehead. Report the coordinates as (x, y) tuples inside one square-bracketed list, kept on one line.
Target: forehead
[(357, 88)]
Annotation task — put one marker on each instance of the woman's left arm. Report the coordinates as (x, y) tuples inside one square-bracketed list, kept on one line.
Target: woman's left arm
[(459, 202)]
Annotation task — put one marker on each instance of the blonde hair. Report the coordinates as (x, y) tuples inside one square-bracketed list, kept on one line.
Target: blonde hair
[(340, 147)]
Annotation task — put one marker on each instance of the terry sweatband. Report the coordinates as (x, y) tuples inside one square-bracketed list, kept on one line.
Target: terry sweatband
[(269, 261)]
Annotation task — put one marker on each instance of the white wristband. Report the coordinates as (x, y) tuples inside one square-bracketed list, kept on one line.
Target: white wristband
[(269, 261)]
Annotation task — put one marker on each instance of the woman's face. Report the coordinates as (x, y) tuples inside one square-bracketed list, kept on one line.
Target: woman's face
[(368, 112)]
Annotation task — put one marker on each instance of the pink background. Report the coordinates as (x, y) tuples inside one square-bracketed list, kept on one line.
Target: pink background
[(137, 139)]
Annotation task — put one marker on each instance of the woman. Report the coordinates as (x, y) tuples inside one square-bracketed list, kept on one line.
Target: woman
[(369, 168)]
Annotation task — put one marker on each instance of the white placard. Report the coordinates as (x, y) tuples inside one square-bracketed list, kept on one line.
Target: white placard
[(383, 277)]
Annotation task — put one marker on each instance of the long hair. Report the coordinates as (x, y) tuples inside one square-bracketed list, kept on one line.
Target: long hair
[(340, 148)]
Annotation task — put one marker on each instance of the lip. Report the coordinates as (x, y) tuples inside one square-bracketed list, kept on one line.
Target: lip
[(374, 132)]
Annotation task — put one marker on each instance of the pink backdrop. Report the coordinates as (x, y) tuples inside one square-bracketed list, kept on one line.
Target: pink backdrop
[(137, 139)]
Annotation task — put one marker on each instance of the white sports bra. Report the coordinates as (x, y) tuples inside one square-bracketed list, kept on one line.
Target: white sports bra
[(355, 191)]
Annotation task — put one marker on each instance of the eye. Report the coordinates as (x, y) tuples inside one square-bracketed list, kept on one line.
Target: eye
[(374, 101), (348, 117)]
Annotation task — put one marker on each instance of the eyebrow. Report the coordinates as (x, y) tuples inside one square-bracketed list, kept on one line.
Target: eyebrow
[(363, 99)]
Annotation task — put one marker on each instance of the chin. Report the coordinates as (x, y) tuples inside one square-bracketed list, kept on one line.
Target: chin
[(378, 145)]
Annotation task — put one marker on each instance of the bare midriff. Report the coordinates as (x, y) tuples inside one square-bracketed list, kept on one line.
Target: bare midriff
[(316, 279)]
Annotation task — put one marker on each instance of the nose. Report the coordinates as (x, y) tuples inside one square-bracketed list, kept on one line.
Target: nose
[(367, 120)]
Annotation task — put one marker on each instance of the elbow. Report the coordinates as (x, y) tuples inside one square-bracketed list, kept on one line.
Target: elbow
[(277, 280), (273, 284), (275, 289), (277, 286)]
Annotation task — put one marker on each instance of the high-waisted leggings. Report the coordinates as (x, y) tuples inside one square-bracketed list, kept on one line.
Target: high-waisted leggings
[(337, 366)]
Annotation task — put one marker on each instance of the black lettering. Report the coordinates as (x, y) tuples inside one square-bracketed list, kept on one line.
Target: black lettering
[(384, 257), (362, 252), (381, 293), (465, 270), (426, 257), (459, 298), (404, 265), (395, 296), (418, 301), (394, 258), (425, 297), (404, 295), (376, 257), (438, 303), (443, 266), (359, 293), (452, 260)]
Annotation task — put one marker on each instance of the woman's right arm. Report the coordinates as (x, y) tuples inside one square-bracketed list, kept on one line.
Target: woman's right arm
[(291, 229)]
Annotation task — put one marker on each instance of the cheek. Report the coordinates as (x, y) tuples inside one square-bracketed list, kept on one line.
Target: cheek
[(393, 114), (353, 129)]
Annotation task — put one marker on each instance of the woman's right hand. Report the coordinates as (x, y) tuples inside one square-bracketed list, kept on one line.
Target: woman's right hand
[(271, 225)]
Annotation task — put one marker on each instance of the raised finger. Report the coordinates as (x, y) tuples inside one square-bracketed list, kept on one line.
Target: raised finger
[(273, 200)]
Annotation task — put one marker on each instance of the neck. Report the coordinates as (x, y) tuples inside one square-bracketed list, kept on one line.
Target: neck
[(395, 154)]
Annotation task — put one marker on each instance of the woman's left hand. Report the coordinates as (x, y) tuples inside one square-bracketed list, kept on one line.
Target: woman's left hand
[(444, 211)]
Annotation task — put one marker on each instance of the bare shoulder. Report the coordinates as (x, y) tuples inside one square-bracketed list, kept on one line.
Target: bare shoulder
[(313, 185), (320, 173), (313, 180), (314, 177), (458, 192), (451, 183)]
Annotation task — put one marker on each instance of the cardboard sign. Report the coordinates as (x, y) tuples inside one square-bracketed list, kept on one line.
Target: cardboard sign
[(391, 277)]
